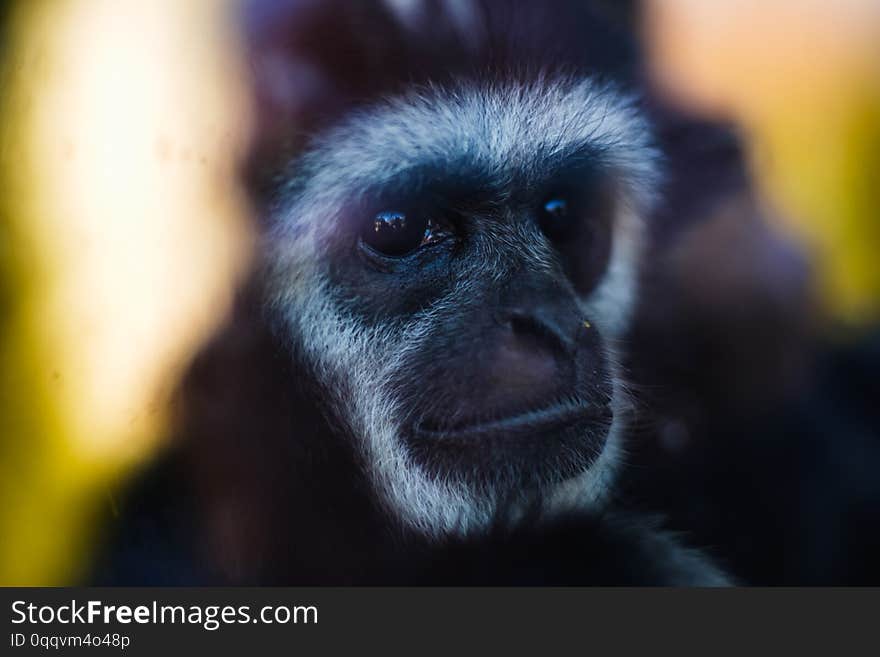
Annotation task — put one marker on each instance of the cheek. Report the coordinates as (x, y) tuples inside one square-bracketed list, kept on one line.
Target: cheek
[(612, 301), (394, 294), (587, 255)]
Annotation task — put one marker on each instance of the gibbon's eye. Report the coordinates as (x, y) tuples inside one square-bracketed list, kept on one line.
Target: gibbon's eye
[(393, 233), (556, 217)]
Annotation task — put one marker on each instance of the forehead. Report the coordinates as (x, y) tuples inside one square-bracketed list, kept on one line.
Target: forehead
[(486, 135)]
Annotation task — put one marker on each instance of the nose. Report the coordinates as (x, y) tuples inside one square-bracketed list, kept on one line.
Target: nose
[(543, 328), (541, 314), (532, 359), (535, 351)]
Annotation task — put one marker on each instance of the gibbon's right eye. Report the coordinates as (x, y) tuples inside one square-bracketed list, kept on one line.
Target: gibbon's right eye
[(396, 234)]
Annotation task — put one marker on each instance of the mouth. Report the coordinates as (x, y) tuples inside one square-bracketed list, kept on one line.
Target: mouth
[(524, 448), (537, 422)]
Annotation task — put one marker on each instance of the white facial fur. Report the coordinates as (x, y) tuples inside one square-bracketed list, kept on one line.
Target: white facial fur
[(500, 127)]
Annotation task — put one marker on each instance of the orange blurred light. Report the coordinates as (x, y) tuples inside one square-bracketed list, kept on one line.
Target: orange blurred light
[(802, 77)]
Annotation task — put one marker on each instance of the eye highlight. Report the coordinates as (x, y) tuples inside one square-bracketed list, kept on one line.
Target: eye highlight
[(396, 233), (556, 208)]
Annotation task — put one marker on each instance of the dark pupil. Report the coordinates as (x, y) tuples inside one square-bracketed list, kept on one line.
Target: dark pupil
[(395, 233)]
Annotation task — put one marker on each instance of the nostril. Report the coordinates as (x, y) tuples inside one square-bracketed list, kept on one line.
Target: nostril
[(527, 324)]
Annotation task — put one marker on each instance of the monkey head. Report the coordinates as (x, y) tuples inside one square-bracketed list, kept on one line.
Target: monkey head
[(456, 267)]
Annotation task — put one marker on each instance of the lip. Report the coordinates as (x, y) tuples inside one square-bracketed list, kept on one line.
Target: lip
[(553, 417)]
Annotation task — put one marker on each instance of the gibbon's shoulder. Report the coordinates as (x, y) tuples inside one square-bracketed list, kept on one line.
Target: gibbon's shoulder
[(575, 549)]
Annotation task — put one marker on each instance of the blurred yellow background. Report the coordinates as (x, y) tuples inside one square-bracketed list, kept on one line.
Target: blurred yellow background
[(123, 228)]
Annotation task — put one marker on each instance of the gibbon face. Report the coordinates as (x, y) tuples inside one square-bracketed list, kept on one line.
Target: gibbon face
[(456, 266)]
